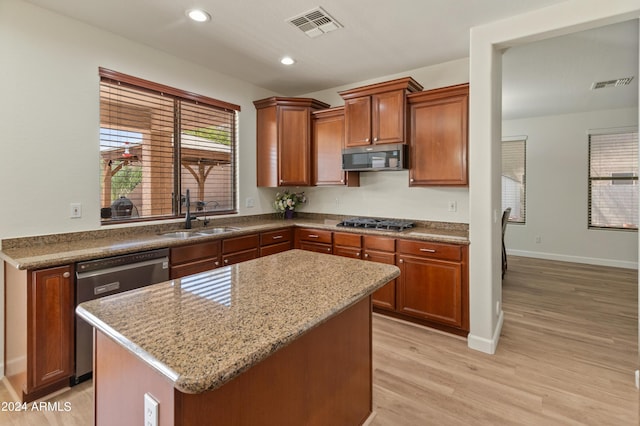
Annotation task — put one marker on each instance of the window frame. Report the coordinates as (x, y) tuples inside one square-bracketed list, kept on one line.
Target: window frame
[(514, 139), (179, 96), (615, 180)]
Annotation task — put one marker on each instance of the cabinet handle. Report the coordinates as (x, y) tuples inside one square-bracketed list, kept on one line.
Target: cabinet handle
[(313, 236), (217, 263), (66, 275), (428, 250), (341, 180), (366, 255), (358, 254), (375, 139), (226, 261), (366, 140), (401, 260), (411, 180), (328, 250), (277, 237)]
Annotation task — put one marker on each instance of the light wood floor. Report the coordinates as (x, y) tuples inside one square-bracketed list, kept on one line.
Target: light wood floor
[(567, 355)]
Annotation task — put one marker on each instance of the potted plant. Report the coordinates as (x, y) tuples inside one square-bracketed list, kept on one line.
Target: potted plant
[(286, 202)]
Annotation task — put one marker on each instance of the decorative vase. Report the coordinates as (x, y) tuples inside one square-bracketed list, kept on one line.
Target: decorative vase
[(288, 214)]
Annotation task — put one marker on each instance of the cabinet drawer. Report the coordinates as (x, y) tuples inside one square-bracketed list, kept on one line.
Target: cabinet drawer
[(371, 242), (240, 256), (275, 237), (347, 240), (194, 252), (317, 247), (314, 235), (246, 242), (275, 248), (433, 250), (352, 252), (193, 268)]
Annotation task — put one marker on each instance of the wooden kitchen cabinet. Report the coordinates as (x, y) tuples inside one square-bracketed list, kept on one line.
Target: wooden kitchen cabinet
[(376, 114), (382, 250), (273, 242), (328, 142), (284, 140), (433, 283), (317, 240), (194, 258), (438, 136), (239, 249), (39, 333), (347, 245)]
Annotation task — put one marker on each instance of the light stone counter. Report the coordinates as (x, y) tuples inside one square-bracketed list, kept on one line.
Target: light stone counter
[(61, 249), (203, 330)]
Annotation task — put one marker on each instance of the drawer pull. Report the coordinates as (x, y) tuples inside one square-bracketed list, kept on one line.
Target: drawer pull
[(401, 260), (226, 261), (66, 275), (277, 237), (358, 254), (428, 250), (313, 236), (366, 255), (328, 250), (216, 263)]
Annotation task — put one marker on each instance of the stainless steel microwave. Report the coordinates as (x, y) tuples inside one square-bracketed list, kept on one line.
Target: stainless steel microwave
[(376, 158)]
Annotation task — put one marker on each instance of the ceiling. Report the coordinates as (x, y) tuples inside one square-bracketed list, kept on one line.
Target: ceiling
[(247, 38)]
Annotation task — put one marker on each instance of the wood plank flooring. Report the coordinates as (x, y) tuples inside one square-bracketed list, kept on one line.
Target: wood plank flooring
[(567, 355)]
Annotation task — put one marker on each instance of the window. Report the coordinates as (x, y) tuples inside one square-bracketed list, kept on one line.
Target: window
[(155, 143), (613, 180), (514, 177)]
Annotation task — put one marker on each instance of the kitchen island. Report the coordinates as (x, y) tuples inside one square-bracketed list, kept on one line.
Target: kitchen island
[(283, 339)]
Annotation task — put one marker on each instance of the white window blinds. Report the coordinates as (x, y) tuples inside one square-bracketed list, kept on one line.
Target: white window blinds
[(514, 178)]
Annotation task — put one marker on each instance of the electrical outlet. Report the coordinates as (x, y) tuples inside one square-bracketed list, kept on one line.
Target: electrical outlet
[(453, 206), (538, 239), (250, 202), (76, 210), (150, 410)]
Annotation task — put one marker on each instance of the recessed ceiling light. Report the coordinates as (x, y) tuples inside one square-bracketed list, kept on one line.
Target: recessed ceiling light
[(198, 15), (287, 61)]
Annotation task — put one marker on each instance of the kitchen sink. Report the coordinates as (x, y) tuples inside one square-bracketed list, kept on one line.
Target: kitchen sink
[(212, 231), (180, 234)]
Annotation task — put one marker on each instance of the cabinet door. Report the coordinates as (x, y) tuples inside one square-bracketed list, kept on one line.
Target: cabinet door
[(352, 252), (439, 141), (357, 114), (196, 267), (317, 247), (294, 147), (384, 297), (328, 141), (50, 326), (430, 289), (240, 256), (387, 117)]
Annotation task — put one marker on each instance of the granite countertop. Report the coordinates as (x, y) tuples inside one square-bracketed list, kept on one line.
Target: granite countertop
[(203, 330), (54, 250)]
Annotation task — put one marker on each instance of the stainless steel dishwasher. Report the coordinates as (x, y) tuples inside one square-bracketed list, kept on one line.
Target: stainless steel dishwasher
[(107, 276)]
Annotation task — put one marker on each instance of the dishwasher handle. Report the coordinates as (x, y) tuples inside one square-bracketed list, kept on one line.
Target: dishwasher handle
[(163, 260)]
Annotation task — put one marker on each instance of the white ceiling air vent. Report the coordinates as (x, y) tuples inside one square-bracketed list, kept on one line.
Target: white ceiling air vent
[(611, 83), (315, 22)]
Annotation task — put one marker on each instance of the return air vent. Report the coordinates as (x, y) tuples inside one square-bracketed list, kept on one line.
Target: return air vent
[(611, 83), (315, 22)]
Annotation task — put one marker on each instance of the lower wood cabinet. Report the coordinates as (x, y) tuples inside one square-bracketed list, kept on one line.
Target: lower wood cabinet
[(316, 240), (277, 241), (194, 258), (42, 309), (347, 245), (433, 284), (382, 250), (240, 249)]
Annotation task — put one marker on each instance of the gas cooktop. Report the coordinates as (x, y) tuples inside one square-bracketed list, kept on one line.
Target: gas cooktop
[(380, 224)]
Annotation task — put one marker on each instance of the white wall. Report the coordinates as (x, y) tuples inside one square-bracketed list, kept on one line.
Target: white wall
[(557, 190), (387, 193), (50, 122), (485, 111)]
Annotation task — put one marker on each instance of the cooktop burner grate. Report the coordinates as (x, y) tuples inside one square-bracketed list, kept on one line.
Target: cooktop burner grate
[(381, 224)]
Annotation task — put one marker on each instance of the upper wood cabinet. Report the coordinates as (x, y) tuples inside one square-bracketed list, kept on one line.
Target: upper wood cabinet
[(328, 142), (284, 140), (376, 114), (438, 136)]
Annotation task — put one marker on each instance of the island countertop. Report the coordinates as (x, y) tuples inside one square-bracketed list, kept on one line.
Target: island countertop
[(203, 330)]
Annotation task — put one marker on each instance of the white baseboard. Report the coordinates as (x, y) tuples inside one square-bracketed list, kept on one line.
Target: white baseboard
[(575, 259), (483, 344)]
